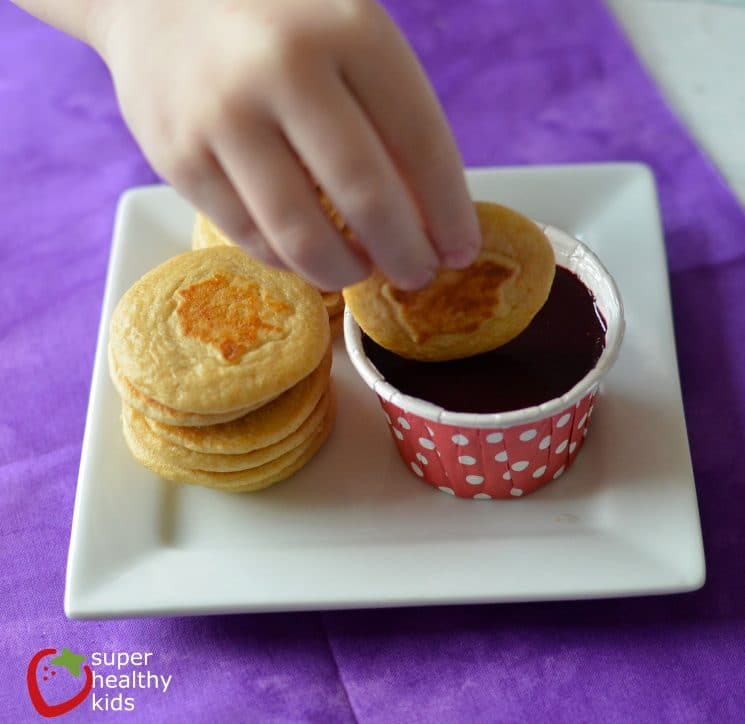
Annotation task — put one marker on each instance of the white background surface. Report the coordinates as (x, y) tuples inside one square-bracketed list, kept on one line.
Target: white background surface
[(695, 49)]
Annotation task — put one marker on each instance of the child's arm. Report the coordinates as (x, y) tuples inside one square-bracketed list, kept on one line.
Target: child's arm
[(229, 99)]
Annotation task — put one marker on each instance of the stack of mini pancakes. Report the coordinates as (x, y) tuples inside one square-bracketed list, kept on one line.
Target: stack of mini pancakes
[(206, 235), (223, 366)]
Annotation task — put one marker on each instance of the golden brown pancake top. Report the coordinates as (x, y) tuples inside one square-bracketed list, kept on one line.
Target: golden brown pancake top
[(226, 313), (457, 302)]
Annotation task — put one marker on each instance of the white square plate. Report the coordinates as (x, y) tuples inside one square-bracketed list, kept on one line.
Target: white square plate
[(355, 528)]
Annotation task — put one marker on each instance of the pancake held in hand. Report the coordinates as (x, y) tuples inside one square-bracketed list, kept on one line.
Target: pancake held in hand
[(243, 480), (214, 331), (258, 429), (469, 311), (169, 453)]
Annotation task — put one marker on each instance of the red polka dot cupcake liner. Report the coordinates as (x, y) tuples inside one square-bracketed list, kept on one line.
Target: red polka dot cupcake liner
[(488, 463), (502, 455)]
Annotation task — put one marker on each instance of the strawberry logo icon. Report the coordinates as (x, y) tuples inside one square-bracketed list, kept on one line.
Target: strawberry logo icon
[(67, 660)]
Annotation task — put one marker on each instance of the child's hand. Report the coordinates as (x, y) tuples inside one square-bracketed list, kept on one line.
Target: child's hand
[(229, 99)]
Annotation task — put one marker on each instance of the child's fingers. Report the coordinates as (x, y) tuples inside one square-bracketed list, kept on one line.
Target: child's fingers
[(212, 193), (284, 204), (333, 136), (400, 103), (256, 246)]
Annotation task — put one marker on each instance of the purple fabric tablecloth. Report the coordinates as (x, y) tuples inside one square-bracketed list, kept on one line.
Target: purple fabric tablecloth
[(531, 82)]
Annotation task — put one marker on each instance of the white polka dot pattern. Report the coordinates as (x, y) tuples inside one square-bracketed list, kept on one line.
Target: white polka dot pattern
[(490, 464)]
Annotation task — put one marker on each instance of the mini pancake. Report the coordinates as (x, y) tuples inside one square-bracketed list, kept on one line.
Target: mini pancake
[(169, 453), (463, 312), (205, 234), (156, 411), (241, 481), (214, 331), (264, 426)]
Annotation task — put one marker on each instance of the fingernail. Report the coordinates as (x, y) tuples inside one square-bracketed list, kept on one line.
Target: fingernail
[(262, 253), (461, 258), (417, 281)]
